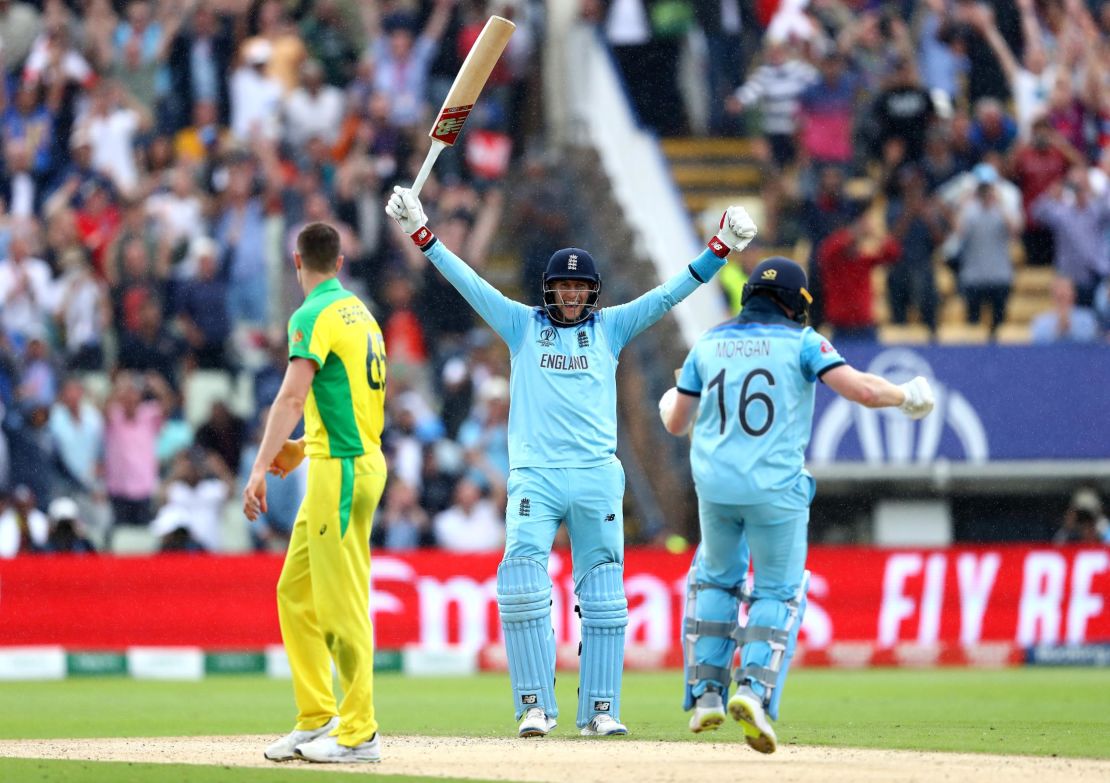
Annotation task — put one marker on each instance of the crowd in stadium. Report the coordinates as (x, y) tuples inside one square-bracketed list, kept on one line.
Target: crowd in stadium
[(160, 155)]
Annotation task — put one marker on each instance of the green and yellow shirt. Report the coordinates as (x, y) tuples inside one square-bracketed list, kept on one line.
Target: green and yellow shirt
[(345, 409)]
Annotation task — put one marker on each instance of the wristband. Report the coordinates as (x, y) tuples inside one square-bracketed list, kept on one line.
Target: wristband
[(719, 248), (422, 237)]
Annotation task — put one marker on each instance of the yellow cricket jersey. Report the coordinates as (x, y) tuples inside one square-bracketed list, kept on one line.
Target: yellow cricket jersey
[(345, 409)]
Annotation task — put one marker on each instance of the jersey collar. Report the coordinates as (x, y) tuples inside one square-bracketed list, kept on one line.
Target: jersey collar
[(760, 310), (329, 285)]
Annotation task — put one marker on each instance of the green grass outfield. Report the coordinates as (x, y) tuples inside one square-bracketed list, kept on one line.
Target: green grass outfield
[(1051, 711)]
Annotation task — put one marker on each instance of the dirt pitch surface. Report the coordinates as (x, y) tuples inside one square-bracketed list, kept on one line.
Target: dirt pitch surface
[(612, 760)]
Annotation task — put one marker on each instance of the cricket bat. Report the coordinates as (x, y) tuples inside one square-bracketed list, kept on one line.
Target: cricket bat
[(469, 82)]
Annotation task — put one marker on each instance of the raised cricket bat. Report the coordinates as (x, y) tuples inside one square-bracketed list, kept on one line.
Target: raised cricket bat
[(471, 78)]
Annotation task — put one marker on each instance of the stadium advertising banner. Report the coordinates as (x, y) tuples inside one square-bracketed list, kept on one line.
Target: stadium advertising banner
[(1016, 596), (1015, 404)]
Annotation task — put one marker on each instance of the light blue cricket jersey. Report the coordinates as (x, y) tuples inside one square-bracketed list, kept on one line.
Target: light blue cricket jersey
[(756, 377), (563, 380)]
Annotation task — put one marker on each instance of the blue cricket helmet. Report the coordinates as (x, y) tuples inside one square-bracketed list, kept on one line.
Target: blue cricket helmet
[(784, 281), (570, 263)]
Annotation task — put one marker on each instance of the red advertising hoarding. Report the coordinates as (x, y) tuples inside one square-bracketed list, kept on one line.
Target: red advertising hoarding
[(964, 596)]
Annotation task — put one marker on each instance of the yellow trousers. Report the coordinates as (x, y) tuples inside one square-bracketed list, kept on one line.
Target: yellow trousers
[(323, 595)]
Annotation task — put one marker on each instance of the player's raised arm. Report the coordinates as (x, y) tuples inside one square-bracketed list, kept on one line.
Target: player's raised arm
[(504, 316), (626, 321), (914, 398)]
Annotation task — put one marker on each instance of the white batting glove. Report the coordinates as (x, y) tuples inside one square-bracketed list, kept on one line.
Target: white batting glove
[(405, 208), (737, 228), (666, 406), (919, 398)]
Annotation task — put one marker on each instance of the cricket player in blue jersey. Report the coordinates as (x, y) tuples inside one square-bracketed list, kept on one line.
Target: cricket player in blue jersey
[(747, 389), (562, 459)]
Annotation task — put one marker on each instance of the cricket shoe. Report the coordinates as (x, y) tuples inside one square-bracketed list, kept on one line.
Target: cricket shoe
[(747, 708), (602, 725), (285, 748), (709, 712), (327, 750), (536, 723)]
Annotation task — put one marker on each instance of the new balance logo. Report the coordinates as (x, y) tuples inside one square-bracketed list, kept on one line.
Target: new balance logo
[(583, 340), (572, 262), (525, 509), (610, 517), (529, 698), (601, 706)]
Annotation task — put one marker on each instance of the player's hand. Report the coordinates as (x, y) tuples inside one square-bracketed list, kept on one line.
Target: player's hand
[(254, 496), (919, 398), (287, 460), (405, 208), (737, 228), (666, 407)]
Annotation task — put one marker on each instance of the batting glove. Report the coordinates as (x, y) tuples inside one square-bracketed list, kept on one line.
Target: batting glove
[(919, 398), (405, 208), (737, 231), (666, 405)]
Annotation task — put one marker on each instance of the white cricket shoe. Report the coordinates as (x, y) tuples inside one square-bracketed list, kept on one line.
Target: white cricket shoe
[(327, 750), (602, 725), (535, 723), (285, 748), (747, 708), (709, 712)]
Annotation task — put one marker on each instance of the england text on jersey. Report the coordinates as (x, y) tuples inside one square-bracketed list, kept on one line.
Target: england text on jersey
[(563, 361)]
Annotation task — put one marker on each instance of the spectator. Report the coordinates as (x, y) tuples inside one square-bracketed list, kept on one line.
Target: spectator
[(1084, 522), (403, 59), (26, 290), (985, 230), (77, 428), (846, 258), (472, 523), (1032, 80), (240, 233), (114, 120), (822, 213), (993, 130), (66, 533), (23, 528), (402, 523), (485, 436), (1079, 222), (826, 112), (918, 224), (30, 121), (151, 347), (200, 57), (287, 45), (255, 95), (202, 308), (193, 499), (1065, 322), (224, 434), (774, 87), (903, 111), (328, 39), (140, 45), (177, 211), (19, 26), (133, 416), (39, 385), (20, 188), (313, 110), (1045, 159), (31, 450)]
